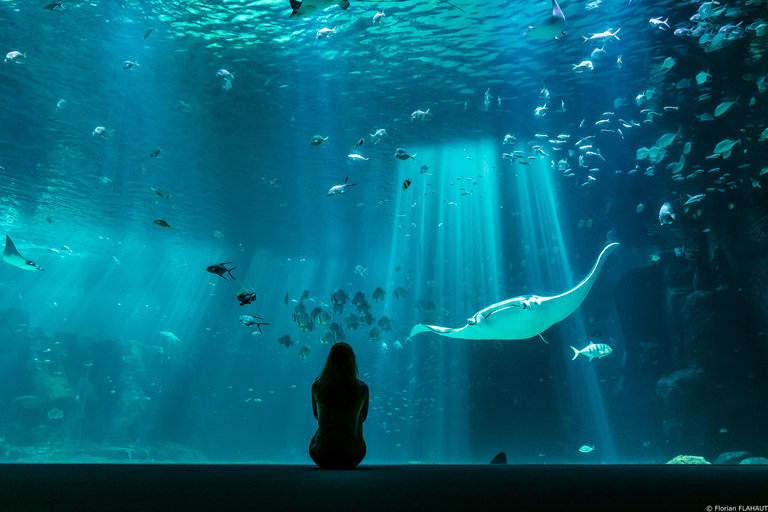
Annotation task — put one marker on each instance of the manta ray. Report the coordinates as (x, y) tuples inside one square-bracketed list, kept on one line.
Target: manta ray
[(12, 256), (522, 317), (553, 28)]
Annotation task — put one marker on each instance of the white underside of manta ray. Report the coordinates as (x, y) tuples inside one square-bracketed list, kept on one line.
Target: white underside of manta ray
[(12, 256), (522, 317)]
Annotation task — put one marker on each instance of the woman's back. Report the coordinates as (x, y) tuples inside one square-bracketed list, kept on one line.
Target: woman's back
[(340, 410)]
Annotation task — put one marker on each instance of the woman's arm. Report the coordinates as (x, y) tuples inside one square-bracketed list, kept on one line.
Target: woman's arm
[(364, 411), (314, 403)]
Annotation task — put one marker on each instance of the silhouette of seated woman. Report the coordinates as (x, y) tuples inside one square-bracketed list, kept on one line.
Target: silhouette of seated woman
[(340, 404)]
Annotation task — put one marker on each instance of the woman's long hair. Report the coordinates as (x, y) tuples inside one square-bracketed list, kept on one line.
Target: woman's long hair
[(340, 369)]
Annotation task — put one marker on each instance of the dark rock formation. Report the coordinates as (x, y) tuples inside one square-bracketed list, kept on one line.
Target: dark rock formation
[(731, 457)]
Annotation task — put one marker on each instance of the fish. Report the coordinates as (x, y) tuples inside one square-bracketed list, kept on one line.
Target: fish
[(148, 31), (100, 131), (582, 66), (12, 257), (227, 86), (14, 56), (724, 106), (406, 184), (357, 157), (378, 135), (55, 414), (339, 189), (220, 269), (53, 5), (361, 271), (667, 64), (339, 297), (316, 140), (419, 115), (378, 294), (602, 36), (694, 199), (351, 321), (327, 337), (162, 223), (666, 214), (726, 145), (593, 350), (324, 317), (400, 293), (377, 17), (402, 155), (304, 352), (285, 300), (553, 28), (186, 107), (658, 23), (170, 336), (225, 75), (160, 192), (360, 142), (385, 324), (310, 7), (285, 341), (668, 138), (156, 153), (587, 449), (129, 64), (245, 297), (250, 321), (374, 335), (325, 32), (525, 316), (702, 77)]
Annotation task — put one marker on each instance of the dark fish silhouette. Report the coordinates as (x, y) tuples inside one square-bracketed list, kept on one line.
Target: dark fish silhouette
[(245, 297), (219, 269)]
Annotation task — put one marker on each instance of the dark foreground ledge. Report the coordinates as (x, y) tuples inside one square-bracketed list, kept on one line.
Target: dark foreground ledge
[(382, 488)]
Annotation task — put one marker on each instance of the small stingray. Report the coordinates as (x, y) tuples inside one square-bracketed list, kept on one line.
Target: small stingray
[(12, 256)]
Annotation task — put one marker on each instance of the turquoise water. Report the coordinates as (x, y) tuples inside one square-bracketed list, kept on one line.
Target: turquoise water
[(229, 167)]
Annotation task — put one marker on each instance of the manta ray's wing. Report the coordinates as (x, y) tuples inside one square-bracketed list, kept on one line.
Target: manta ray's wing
[(557, 12), (443, 331), (552, 28), (12, 256)]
